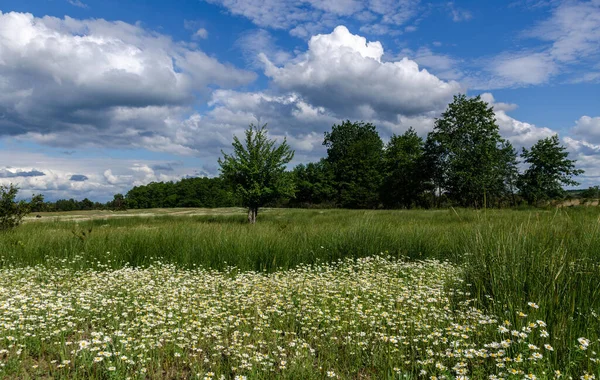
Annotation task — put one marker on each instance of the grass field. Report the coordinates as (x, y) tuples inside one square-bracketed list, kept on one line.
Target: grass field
[(302, 294)]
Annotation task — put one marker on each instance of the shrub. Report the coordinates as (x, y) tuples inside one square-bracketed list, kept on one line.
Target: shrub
[(11, 211)]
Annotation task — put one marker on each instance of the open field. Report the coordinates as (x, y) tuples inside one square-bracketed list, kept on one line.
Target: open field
[(302, 294)]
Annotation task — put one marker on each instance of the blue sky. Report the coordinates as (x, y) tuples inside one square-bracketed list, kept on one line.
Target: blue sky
[(100, 96)]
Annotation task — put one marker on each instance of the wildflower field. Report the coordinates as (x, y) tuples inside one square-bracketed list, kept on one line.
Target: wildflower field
[(304, 294)]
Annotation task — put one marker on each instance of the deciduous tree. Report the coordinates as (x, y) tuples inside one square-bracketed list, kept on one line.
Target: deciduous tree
[(11, 211), (354, 151), (404, 168), (549, 169), (469, 161), (256, 169)]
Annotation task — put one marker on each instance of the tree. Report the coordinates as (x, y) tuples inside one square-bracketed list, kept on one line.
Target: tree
[(404, 167), (593, 192), (11, 211), (314, 183), (118, 203), (256, 169), (468, 160), (37, 203), (354, 151), (549, 169)]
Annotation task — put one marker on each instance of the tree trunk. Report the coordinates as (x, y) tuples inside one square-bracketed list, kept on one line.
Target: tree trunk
[(252, 212)]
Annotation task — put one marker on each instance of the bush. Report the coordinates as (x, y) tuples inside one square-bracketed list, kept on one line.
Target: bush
[(11, 212)]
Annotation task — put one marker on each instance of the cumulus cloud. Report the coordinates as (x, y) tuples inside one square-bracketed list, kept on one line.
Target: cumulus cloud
[(345, 74), (69, 82), (588, 129), (519, 133), (584, 146)]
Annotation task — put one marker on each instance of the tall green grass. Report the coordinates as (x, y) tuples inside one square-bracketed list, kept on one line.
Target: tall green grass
[(510, 257)]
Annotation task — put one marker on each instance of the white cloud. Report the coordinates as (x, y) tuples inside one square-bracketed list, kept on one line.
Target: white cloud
[(571, 46), (309, 17), (442, 65), (94, 178), (255, 42), (573, 30), (526, 69), (77, 3), (74, 82), (588, 129), (459, 14), (587, 156), (345, 74), (519, 133), (201, 33)]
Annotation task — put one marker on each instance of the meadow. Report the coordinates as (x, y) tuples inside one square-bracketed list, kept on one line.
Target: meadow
[(302, 294)]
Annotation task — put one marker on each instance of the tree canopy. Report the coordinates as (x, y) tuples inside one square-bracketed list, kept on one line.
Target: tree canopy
[(354, 151), (469, 161), (404, 167)]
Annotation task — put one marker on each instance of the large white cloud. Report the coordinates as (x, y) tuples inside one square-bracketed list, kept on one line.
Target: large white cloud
[(345, 73), (68, 81)]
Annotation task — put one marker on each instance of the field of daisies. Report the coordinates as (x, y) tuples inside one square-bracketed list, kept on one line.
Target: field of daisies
[(304, 295)]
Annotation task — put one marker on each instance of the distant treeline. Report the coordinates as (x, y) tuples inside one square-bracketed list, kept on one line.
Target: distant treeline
[(189, 192), (463, 162)]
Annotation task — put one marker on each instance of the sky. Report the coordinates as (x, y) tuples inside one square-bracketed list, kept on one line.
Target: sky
[(98, 96)]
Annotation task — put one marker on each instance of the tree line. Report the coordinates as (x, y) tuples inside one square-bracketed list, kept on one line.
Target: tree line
[(463, 162)]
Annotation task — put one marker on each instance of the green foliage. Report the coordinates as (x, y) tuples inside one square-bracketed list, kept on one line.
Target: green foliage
[(314, 183), (37, 203), (592, 192), (549, 169), (118, 203), (404, 168), (11, 211), (73, 205), (256, 169), (354, 151), (468, 160), (188, 192)]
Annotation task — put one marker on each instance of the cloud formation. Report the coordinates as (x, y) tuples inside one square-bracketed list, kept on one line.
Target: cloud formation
[(588, 129), (571, 46), (345, 73), (68, 82), (306, 18), (19, 173), (95, 178)]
